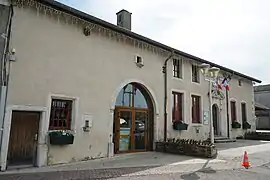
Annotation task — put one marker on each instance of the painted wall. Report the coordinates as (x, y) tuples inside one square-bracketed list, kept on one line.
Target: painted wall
[(243, 94), (56, 58)]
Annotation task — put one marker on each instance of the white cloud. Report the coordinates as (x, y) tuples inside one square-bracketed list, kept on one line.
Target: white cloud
[(231, 33)]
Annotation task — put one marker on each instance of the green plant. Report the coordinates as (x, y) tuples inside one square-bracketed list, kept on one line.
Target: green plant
[(62, 132), (187, 147), (61, 137), (246, 125), (180, 126), (236, 125)]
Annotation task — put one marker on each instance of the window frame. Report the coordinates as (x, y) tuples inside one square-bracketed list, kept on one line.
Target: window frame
[(72, 111), (177, 69), (198, 113), (181, 106), (195, 69), (239, 82), (233, 113)]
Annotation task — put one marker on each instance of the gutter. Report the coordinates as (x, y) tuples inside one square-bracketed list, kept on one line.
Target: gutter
[(164, 70), (5, 76)]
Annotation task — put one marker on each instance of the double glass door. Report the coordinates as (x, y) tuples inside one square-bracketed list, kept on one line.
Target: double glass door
[(130, 130)]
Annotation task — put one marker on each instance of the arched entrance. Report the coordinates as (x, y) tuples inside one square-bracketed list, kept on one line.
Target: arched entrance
[(133, 120), (215, 114)]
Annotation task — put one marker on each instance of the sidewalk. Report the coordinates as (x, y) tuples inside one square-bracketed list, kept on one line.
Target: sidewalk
[(144, 159), (229, 157)]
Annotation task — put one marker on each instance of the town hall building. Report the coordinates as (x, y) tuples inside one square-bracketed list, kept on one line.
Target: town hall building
[(80, 88)]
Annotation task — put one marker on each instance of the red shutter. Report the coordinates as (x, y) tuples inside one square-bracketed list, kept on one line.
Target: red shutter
[(233, 111), (196, 113), (177, 107), (193, 110), (198, 110), (180, 100), (173, 109)]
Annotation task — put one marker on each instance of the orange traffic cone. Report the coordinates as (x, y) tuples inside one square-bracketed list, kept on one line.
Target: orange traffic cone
[(245, 163)]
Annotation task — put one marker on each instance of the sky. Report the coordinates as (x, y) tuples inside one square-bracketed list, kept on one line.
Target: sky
[(232, 33)]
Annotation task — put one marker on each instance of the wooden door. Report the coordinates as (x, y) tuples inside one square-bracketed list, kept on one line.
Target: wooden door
[(123, 128), (131, 130), (141, 129), (23, 137)]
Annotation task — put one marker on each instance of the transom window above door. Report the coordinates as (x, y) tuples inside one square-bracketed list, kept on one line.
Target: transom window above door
[(132, 95)]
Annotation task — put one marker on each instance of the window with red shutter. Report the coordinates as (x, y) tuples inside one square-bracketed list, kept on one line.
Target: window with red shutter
[(244, 112), (61, 113), (196, 109), (233, 111), (177, 108)]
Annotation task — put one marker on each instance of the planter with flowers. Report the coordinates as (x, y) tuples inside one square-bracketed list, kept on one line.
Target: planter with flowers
[(61, 137), (189, 147), (246, 125), (236, 125), (180, 126)]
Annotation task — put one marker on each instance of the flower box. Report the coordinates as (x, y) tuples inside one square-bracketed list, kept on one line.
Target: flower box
[(180, 126), (61, 138), (246, 125), (236, 125)]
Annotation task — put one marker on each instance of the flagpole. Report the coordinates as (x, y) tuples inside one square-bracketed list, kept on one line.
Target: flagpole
[(228, 117), (228, 78)]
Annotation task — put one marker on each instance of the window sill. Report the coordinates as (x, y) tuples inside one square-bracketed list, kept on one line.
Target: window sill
[(178, 78), (196, 124), (197, 83)]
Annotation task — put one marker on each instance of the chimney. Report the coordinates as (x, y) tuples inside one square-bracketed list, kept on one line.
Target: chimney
[(124, 19)]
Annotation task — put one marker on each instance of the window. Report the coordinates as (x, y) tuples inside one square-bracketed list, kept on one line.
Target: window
[(133, 95), (177, 68), (233, 111), (195, 74), (244, 112), (61, 112), (120, 18), (177, 108), (138, 59), (239, 82), (196, 109)]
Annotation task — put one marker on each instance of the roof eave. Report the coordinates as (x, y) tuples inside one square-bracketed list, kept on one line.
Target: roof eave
[(85, 16)]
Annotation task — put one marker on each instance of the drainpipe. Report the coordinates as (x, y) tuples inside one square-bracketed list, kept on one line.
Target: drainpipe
[(5, 69), (164, 70)]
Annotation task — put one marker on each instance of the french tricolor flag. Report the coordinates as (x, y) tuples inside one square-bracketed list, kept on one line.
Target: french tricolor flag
[(225, 84)]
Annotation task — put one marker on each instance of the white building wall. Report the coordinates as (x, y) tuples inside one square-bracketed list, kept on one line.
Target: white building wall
[(55, 58)]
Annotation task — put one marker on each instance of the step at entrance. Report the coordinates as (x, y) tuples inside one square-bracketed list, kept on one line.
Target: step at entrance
[(221, 139)]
